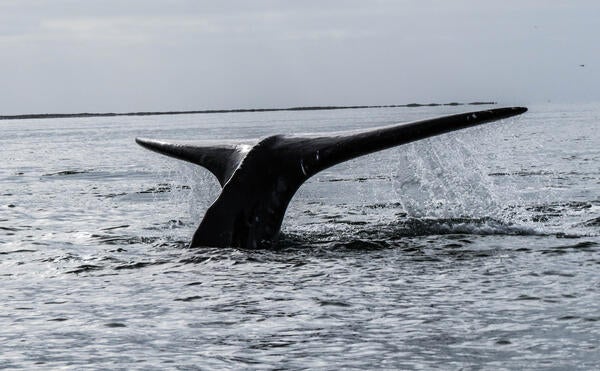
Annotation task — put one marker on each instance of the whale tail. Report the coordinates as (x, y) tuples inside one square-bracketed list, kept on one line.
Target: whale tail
[(259, 178)]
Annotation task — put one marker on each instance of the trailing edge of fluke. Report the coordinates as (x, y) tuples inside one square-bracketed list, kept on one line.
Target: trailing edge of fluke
[(260, 177)]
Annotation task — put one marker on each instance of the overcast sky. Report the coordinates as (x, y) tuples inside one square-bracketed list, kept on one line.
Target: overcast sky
[(145, 55)]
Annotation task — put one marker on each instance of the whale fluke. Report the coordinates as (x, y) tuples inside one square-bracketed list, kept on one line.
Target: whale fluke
[(260, 177)]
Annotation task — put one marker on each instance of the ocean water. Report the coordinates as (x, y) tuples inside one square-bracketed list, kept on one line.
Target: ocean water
[(478, 249)]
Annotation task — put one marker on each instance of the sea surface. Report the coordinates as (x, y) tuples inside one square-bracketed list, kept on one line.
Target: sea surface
[(478, 249)]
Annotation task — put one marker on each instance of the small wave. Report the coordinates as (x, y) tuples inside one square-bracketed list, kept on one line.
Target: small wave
[(354, 179), (111, 195), (114, 324), (189, 298), (109, 239), (116, 227), (16, 229), (9, 229), (383, 236), (138, 265), (560, 207), (163, 188), (85, 268), (112, 263), (16, 251), (441, 226), (590, 223), (363, 244), (585, 246), (69, 172), (171, 224), (523, 173)]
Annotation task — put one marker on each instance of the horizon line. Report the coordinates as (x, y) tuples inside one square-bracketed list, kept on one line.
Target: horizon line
[(239, 110)]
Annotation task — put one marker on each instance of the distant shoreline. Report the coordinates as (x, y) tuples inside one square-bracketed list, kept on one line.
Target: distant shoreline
[(309, 108)]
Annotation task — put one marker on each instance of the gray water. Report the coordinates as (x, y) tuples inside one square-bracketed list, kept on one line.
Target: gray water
[(476, 249)]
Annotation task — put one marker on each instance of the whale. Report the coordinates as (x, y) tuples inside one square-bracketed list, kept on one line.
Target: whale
[(259, 177)]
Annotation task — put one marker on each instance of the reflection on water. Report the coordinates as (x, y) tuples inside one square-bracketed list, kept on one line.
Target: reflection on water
[(478, 248)]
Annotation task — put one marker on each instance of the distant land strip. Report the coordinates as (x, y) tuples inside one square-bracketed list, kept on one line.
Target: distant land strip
[(310, 108)]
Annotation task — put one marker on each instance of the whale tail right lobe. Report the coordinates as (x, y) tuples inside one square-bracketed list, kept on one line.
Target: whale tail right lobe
[(321, 151)]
